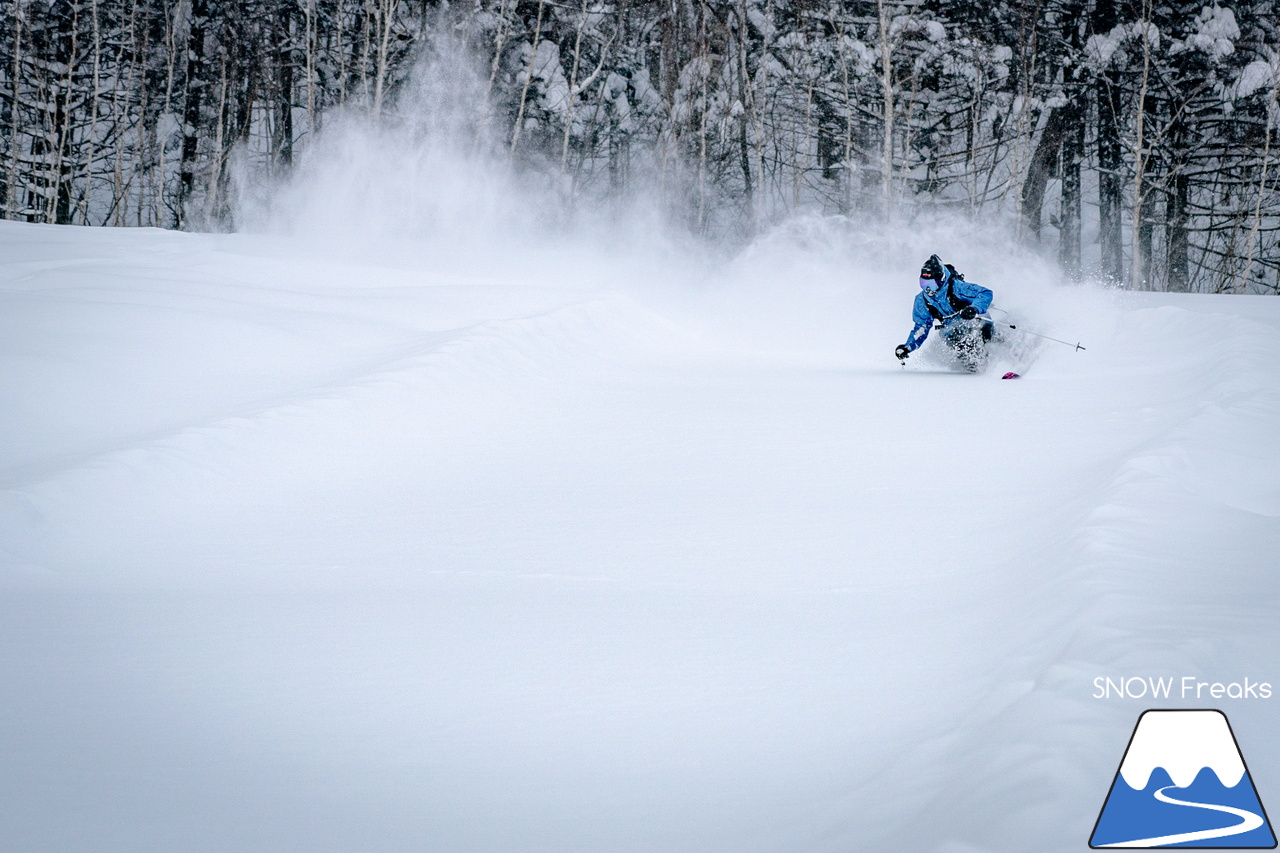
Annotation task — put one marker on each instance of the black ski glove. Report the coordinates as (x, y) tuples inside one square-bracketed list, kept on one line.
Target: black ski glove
[(968, 312), (902, 352)]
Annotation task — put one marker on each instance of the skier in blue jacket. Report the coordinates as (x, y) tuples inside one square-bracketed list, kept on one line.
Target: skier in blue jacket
[(946, 298)]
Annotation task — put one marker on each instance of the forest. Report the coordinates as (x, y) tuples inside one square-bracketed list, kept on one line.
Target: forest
[(1131, 141)]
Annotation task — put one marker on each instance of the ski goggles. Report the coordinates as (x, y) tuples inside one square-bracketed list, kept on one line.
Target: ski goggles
[(926, 283)]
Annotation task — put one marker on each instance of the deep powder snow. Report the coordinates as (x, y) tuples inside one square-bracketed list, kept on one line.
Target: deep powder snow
[(302, 551)]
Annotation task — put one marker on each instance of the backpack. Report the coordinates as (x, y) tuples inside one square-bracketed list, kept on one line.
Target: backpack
[(957, 303)]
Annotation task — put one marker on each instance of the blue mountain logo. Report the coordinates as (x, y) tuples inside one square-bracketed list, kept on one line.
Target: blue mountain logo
[(1183, 783)]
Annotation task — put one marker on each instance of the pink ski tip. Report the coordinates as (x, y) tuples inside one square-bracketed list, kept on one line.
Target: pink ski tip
[(1011, 375)]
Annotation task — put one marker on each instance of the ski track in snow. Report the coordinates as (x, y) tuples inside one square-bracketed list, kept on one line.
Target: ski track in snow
[(300, 554)]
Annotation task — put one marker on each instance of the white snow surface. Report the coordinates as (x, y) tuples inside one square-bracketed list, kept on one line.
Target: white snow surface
[(567, 550), (1254, 76), (1183, 743)]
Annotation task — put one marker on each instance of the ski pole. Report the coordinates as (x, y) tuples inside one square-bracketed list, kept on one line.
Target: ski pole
[(1037, 334)]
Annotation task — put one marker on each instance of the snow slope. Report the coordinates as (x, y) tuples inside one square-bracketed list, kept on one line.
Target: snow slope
[(304, 552)]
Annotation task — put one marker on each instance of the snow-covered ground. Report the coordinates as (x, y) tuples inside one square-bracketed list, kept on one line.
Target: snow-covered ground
[(303, 551)]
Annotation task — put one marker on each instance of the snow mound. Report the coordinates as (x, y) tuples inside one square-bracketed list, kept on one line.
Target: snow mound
[(562, 548)]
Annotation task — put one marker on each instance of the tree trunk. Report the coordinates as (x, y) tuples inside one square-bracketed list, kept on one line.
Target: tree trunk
[(1110, 191), (1043, 162), (1179, 271), (571, 96), (90, 154), (59, 199), (387, 10), (191, 112), (284, 59), (12, 197), (1069, 211), (528, 80), (744, 96), (1139, 276), (1110, 186), (887, 105)]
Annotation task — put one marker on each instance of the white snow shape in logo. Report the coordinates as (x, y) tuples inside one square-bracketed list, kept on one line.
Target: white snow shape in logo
[(1183, 743)]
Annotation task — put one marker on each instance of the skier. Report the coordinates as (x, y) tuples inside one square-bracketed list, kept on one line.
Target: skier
[(956, 304)]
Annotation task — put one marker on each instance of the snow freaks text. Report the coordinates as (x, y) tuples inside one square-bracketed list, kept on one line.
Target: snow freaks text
[(1186, 687)]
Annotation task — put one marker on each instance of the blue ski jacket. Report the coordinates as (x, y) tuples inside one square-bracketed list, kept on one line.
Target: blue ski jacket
[(944, 302)]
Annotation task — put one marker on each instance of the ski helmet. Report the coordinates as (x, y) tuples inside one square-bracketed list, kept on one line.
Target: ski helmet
[(933, 269)]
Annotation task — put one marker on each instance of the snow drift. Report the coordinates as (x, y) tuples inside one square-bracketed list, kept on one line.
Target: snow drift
[(309, 552)]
